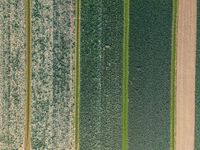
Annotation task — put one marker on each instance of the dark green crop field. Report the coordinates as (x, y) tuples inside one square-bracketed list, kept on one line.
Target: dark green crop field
[(101, 74), (149, 74)]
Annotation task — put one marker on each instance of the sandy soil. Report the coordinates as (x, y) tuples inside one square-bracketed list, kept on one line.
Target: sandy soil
[(186, 51)]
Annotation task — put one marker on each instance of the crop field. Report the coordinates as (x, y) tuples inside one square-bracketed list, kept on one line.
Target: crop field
[(99, 75)]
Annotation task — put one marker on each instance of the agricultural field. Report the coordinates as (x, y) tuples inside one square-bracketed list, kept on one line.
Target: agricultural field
[(99, 75)]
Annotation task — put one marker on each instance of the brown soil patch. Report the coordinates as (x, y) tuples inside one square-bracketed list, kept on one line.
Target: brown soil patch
[(186, 53)]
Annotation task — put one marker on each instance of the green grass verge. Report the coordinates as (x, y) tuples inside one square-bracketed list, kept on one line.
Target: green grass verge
[(173, 77), (77, 76), (27, 138), (125, 76)]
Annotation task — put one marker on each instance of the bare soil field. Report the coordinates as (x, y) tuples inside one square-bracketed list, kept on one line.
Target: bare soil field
[(186, 52)]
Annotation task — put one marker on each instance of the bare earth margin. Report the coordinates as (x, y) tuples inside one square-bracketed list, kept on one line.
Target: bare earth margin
[(186, 53)]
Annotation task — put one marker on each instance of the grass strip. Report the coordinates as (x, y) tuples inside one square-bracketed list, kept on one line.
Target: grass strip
[(173, 77), (27, 138), (125, 76), (77, 75)]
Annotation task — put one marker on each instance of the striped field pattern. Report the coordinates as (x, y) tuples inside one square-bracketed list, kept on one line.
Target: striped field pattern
[(99, 75)]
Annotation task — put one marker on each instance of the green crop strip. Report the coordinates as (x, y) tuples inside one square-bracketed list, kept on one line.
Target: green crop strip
[(77, 76), (173, 78), (27, 138), (125, 76)]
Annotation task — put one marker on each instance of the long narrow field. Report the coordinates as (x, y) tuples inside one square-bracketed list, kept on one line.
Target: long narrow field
[(149, 74), (186, 56), (12, 73), (101, 74), (52, 125)]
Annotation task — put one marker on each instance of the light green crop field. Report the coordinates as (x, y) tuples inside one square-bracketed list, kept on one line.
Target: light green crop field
[(53, 66), (12, 73)]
